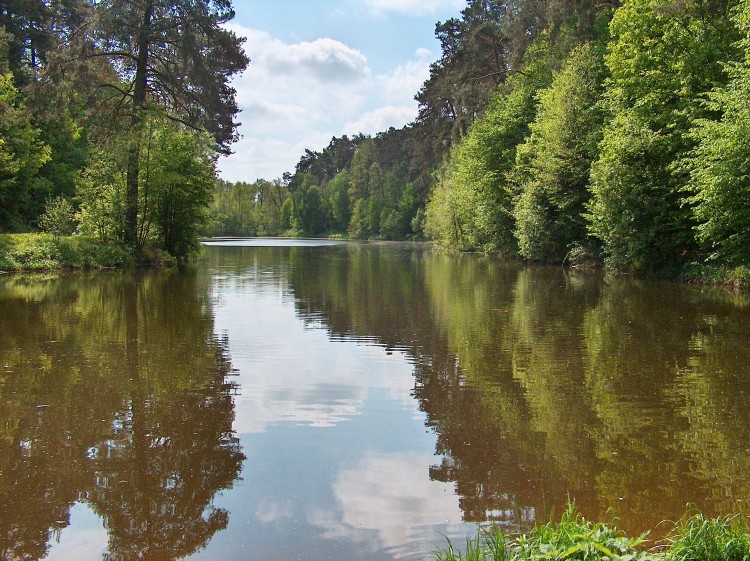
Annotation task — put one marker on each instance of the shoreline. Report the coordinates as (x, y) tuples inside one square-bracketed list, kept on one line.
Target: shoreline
[(36, 252)]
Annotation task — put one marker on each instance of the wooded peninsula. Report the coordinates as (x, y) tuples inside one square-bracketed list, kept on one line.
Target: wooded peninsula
[(576, 132)]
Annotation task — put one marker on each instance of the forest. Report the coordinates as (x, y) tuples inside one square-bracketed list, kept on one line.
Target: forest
[(578, 132), (112, 116)]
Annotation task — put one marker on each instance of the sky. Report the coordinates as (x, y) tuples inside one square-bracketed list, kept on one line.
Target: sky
[(325, 68)]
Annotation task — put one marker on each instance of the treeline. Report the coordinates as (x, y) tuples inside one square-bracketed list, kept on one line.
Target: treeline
[(359, 187), (621, 138), (112, 116), (565, 131)]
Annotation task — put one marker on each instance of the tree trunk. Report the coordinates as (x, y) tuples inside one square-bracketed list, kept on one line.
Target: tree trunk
[(136, 126)]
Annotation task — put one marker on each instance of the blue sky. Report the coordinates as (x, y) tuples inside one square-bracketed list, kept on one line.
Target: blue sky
[(324, 68)]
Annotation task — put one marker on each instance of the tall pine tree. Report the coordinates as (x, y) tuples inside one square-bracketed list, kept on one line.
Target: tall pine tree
[(171, 56)]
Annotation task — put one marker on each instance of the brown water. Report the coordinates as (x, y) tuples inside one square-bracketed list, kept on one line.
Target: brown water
[(356, 401)]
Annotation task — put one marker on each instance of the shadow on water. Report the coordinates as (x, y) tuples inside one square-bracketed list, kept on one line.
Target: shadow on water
[(113, 393)]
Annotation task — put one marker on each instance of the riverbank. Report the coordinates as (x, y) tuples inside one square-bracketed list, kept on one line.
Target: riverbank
[(695, 538), (45, 252)]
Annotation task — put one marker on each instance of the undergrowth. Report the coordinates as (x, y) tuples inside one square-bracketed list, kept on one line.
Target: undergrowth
[(43, 252)]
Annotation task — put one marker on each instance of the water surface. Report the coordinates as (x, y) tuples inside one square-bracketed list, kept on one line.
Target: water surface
[(307, 400)]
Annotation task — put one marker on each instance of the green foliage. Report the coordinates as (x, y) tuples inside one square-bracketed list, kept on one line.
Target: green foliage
[(338, 201), (58, 218), (472, 205), (41, 252), (555, 161), (633, 204), (572, 537), (307, 209), (720, 163), (69, 154), (177, 171), (101, 191), (177, 189), (697, 538), (662, 58), (359, 225), (22, 153)]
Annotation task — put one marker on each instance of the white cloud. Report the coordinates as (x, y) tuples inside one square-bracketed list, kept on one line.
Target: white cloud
[(325, 59), (297, 96), (404, 82), (397, 90), (292, 97), (388, 499), (381, 120), (413, 7)]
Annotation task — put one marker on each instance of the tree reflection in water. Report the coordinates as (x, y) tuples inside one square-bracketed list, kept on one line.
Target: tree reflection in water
[(541, 384), (136, 420), (538, 383)]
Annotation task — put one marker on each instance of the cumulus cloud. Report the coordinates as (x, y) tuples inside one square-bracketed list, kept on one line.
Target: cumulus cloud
[(412, 7), (296, 96), (397, 90), (389, 497), (381, 120), (292, 96), (405, 80), (325, 59)]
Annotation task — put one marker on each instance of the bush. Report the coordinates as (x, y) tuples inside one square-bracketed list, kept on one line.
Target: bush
[(40, 252), (59, 217)]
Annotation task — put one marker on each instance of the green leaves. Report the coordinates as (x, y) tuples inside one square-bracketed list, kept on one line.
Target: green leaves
[(719, 179), (22, 153), (571, 538), (555, 161)]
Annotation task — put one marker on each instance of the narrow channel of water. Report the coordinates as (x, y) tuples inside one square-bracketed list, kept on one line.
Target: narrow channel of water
[(323, 400)]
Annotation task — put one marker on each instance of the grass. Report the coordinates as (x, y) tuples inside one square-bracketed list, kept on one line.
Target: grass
[(695, 538), (698, 538), (44, 252)]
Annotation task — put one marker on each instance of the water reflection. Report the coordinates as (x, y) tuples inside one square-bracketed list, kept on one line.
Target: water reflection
[(542, 384), (114, 394), (383, 395)]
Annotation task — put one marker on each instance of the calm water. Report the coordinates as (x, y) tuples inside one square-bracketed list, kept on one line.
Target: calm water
[(356, 401)]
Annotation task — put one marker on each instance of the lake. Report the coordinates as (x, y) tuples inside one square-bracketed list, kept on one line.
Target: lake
[(316, 400)]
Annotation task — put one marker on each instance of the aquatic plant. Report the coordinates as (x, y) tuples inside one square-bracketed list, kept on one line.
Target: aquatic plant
[(695, 538)]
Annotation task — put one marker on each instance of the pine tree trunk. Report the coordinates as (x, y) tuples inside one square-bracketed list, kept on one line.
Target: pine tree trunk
[(136, 129)]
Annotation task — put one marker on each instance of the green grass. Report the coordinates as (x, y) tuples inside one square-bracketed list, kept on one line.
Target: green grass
[(697, 538), (44, 252), (573, 538)]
